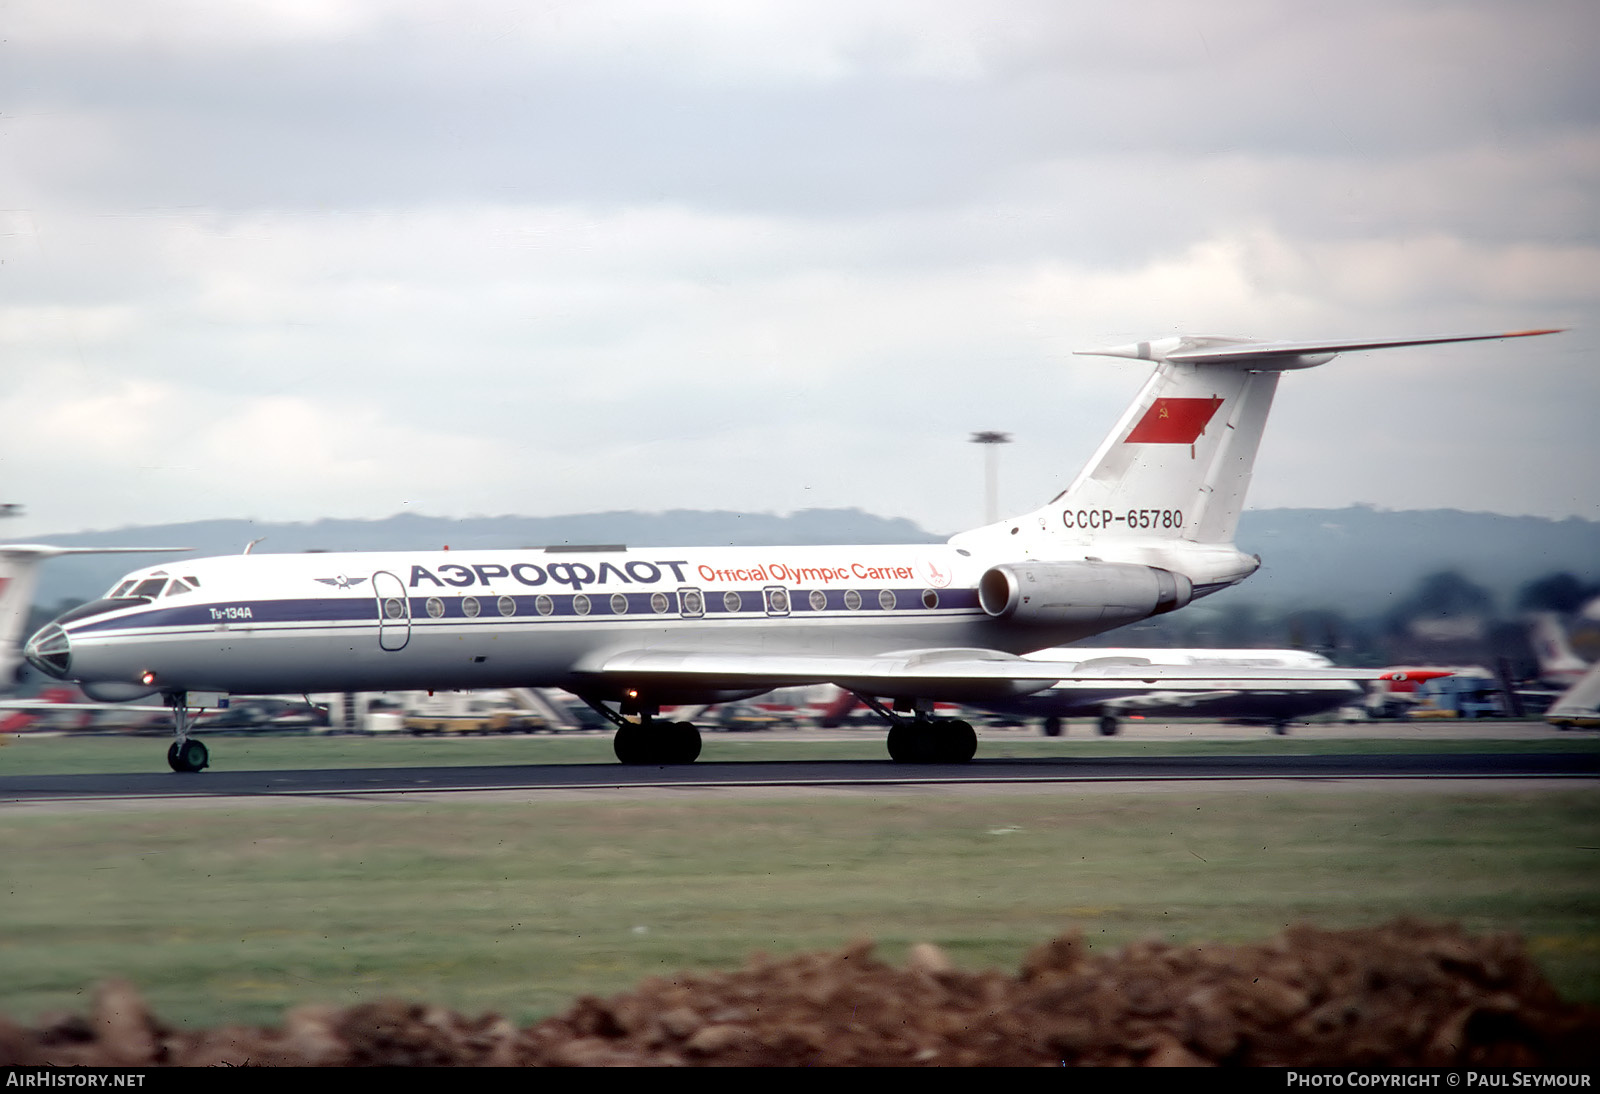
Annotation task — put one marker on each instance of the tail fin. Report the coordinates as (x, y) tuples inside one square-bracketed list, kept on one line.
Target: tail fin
[(1178, 463), (1558, 662), (19, 575)]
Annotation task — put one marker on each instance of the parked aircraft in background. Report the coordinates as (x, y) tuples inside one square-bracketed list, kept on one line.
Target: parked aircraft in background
[(1395, 691), (1579, 706), (1145, 528), (1559, 665), (1560, 669), (1269, 701)]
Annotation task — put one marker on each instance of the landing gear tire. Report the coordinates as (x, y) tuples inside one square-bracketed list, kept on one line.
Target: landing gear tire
[(1280, 728), (905, 744), (681, 741), (1109, 725), (657, 743), (187, 756), (941, 741), (958, 742), (1051, 726), (631, 744)]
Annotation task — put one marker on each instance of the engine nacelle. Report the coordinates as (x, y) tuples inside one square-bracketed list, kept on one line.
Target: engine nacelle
[(1055, 593)]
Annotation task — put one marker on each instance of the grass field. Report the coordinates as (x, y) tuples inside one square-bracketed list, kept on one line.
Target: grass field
[(106, 754), (234, 913)]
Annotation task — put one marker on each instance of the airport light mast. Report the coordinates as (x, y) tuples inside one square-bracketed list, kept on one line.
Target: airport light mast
[(991, 441)]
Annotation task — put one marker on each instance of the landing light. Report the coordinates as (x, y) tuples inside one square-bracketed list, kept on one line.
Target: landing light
[(147, 678)]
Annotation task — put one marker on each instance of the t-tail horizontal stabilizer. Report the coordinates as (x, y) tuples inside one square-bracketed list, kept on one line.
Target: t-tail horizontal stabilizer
[(1166, 486), (1218, 350)]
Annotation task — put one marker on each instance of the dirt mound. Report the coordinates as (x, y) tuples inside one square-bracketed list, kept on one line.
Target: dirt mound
[(1403, 994)]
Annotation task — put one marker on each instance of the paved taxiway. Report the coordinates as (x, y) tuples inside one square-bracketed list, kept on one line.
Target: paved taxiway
[(1004, 772)]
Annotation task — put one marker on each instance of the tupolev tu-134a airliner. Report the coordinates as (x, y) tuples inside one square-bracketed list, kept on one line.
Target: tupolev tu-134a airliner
[(1145, 528)]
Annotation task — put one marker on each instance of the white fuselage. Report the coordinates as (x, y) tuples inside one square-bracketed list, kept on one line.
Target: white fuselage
[(262, 624), (464, 619)]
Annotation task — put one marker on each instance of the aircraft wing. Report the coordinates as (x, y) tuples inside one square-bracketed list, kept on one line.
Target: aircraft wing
[(951, 675), (44, 706)]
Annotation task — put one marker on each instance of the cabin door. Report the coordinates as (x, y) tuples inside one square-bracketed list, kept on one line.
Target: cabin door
[(394, 611)]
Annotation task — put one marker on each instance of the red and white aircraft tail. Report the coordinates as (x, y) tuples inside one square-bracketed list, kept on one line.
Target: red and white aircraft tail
[(1176, 466), (1559, 664)]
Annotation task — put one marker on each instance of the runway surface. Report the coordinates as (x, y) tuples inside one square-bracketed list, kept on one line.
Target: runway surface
[(363, 781)]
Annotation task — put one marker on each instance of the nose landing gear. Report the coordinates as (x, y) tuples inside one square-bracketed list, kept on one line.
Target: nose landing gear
[(187, 754)]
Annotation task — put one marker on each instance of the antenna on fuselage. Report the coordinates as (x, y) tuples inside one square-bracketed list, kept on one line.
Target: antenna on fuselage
[(248, 547)]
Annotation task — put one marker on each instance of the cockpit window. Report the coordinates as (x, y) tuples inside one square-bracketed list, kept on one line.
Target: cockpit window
[(151, 587), (194, 582), (120, 590), (177, 587)]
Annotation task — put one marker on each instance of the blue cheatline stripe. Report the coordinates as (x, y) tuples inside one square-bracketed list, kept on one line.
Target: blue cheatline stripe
[(262, 611), (366, 609)]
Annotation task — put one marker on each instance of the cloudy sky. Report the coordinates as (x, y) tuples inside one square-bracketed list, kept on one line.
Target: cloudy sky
[(288, 259)]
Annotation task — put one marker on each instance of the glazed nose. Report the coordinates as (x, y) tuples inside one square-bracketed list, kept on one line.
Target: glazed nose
[(49, 651)]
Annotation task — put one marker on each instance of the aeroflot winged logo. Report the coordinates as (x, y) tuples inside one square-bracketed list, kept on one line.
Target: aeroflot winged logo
[(342, 582), (1174, 421)]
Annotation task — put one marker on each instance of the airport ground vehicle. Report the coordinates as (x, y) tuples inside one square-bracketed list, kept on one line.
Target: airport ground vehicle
[(469, 712)]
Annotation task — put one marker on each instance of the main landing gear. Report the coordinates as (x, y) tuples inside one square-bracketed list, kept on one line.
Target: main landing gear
[(924, 740), (187, 753), (648, 741)]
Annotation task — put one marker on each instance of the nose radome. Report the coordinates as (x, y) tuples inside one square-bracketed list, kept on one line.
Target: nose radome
[(49, 651)]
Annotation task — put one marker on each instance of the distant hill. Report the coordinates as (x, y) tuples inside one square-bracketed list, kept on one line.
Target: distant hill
[(1358, 560)]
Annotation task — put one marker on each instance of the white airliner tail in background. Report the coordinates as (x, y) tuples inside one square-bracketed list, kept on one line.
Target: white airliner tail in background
[(1579, 706), (1559, 663)]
